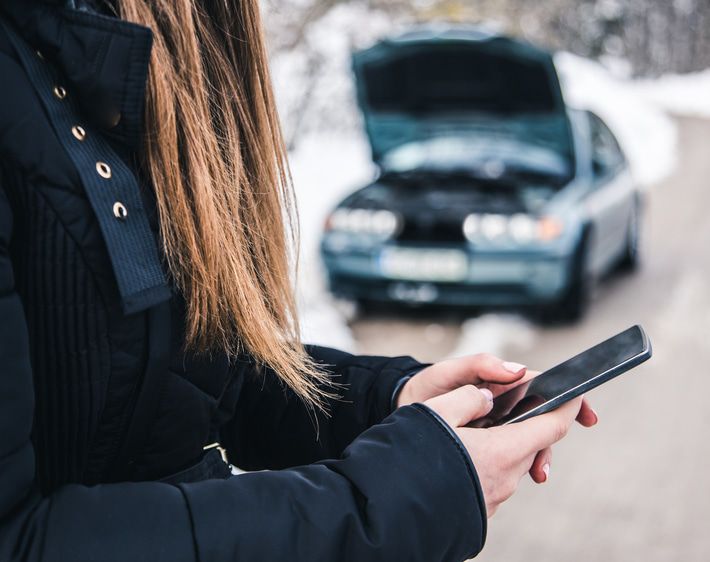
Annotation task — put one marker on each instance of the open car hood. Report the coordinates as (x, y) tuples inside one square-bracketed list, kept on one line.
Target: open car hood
[(462, 81)]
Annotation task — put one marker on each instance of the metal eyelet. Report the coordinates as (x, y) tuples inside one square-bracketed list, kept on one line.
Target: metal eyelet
[(60, 92), (222, 451), (79, 132), (104, 170), (39, 54), (120, 211)]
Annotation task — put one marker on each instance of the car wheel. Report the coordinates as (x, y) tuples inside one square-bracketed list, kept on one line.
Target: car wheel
[(574, 304), (631, 258)]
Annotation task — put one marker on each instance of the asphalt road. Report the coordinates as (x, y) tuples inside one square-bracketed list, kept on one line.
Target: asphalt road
[(636, 488)]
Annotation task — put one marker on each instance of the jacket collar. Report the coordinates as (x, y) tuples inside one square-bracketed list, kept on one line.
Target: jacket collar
[(104, 60)]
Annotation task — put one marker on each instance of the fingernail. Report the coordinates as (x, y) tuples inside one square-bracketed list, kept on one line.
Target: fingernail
[(513, 367), (487, 393), (596, 416), (546, 470)]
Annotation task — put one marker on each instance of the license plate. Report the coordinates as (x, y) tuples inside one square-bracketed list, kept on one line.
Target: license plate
[(415, 264)]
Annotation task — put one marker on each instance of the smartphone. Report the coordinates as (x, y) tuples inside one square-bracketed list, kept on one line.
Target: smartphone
[(570, 379)]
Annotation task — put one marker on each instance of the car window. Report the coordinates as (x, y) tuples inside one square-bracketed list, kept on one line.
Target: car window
[(607, 157)]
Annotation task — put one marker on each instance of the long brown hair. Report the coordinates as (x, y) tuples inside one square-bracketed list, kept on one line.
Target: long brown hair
[(216, 157)]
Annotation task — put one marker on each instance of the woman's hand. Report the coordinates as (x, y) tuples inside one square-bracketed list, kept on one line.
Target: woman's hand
[(480, 370), (483, 371), (503, 455)]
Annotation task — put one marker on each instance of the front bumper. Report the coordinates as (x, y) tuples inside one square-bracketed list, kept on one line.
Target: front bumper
[(491, 279)]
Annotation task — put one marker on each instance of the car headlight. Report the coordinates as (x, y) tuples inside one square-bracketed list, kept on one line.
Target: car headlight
[(518, 229), (380, 223), (494, 227), (522, 228)]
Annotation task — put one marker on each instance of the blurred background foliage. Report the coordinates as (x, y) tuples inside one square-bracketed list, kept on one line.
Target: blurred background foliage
[(311, 40), (654, 36)]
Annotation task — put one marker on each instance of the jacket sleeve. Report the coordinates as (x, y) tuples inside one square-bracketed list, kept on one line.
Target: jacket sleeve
[(273, 429), (404, 490)]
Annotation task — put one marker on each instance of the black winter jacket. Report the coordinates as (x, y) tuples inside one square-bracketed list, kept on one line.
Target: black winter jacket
[(91, 470)]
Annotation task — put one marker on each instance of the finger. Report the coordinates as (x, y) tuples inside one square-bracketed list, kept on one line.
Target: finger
[(484, 367), (540, 432), (480, 370), (540, 469), (587, 417), (500, 388), (462, 405)]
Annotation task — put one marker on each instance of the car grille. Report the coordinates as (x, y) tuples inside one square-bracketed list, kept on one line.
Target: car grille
[(429, 228)]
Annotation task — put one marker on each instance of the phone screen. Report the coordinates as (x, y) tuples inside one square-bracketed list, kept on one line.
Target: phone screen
[(570, 379)]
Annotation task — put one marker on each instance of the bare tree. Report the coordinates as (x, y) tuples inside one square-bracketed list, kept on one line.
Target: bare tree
[(650, 36)]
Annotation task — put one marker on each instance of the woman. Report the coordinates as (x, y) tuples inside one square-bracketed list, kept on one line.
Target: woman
[(147, 320)]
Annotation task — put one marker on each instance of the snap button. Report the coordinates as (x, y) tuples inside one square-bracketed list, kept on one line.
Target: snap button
[(120, 211), (60, 92), (78, 132), (104, 170)]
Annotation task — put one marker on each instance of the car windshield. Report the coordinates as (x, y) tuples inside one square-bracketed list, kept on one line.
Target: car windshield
[(493, 151)]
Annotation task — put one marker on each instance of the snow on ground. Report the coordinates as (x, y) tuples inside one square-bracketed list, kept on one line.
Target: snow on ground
[(646, 132), (330, 162), (679, 94), (494, 333), (325, 169)]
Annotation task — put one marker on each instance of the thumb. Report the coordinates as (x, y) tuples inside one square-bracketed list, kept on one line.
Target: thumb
[(462, 405)]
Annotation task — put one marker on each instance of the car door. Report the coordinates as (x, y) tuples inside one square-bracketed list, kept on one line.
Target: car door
[(611, 200)]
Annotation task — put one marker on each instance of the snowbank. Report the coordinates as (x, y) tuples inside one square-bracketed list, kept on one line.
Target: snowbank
[(325, 169), (679, 94), (647, 134), (494, 333)]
